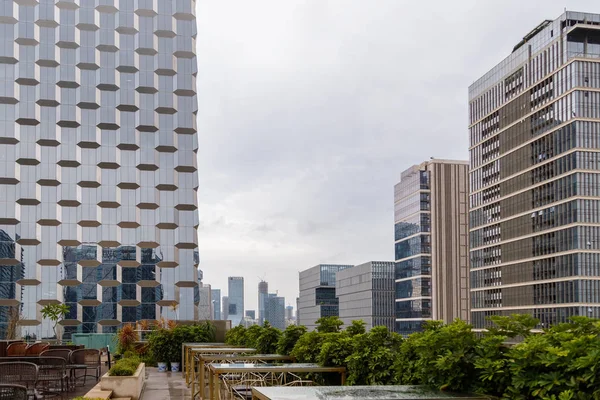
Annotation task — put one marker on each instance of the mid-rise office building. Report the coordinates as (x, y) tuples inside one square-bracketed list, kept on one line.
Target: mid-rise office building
[(431, 249), (236, 300), (216, 301), (367, 292), (251, 314), (535, 192), (98, 176), (317, 294), (275, 311), (263, 293)]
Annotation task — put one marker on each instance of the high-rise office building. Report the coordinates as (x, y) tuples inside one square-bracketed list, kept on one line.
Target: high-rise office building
[(236, 300), (216, 300), (535, 192), (275, 311), (225, 308), (367, 292), (317, 294), (263, 292), (431, 249), (98, 175)]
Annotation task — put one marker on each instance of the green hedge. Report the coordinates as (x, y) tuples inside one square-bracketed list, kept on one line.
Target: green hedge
[(559, 363), (125, 366)]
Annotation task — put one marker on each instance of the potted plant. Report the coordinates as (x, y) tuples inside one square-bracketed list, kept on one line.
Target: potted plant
[(55, 313), (160, 345), (175, 356)]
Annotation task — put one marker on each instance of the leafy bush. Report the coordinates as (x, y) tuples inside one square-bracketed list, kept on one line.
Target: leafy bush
[(289, 337), (236, 336), (308, 347), (329, 324), (266, 343), (165, 344), (125, 367), (441, 356), (334, 349), (373, 356)]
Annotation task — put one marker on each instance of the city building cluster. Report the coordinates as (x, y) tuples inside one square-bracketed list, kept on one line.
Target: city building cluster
[(99, 185)]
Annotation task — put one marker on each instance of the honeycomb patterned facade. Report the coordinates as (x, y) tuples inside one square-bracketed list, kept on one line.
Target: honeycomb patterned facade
[(98, 169)]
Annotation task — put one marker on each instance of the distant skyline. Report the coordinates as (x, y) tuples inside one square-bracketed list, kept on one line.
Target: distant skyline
[(308, 113)]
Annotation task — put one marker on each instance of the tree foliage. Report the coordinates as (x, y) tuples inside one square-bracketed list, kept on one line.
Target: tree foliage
[(329, 324), (560, 363), (289, 337), (55, 313)]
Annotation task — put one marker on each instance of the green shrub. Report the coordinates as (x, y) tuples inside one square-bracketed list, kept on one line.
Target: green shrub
[(164, 345), (289, 337), (373, 356), (122, 370), (266, 343), (308, 347), (126, 366)]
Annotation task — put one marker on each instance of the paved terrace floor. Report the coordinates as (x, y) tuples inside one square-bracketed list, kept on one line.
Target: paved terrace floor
[(165, 386)]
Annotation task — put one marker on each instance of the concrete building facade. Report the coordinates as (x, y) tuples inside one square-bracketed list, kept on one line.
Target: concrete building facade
[(317, 294), (367, 292), (236, 300), (98, 176), (534, 125), (431, 244)]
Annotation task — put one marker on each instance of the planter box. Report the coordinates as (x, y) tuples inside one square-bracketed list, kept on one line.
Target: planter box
[(125, 386)]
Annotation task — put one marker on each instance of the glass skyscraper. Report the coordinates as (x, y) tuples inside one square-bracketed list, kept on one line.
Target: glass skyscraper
[(535, 182), (431, 252), (216, 301), (275, 310), (98, 178), (235, 304)]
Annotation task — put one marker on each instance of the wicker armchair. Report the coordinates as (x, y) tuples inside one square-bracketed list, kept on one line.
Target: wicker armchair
[(16, 349), (52, 375), (62, 353), (36, 348), (88, 357), (13, 392), (22, 373)]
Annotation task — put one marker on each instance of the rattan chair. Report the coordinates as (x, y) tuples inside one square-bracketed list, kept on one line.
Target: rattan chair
[(88, 357), (52, 375), (13, 392), (62, 353), (36, 348), (21, 373), (16, 349)]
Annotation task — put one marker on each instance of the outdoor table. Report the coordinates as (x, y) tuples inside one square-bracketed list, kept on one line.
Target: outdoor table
[(242, 377), (205, 359), (185, 355), (195, 352), (357, 393)]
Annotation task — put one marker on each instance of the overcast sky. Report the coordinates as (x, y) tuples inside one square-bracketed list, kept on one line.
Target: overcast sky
[(310, 110)]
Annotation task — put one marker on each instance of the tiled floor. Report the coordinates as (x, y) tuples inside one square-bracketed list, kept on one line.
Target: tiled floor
[(165, 386), (90, 382)]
